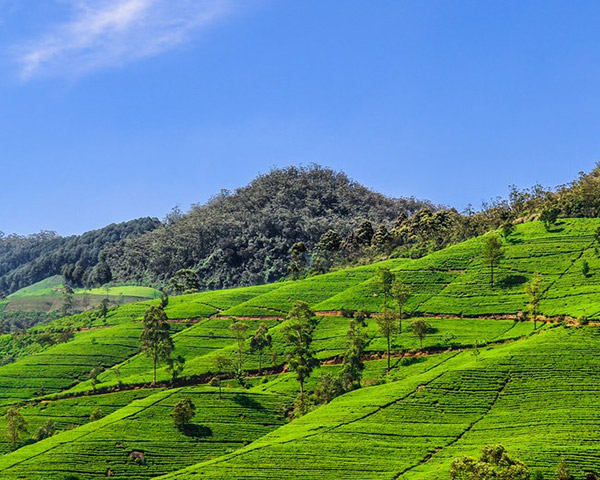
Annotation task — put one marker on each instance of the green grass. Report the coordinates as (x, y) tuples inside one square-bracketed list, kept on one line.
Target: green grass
[(124, 291)]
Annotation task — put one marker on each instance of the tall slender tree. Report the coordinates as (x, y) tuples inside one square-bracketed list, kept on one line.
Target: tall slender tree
[(298, 337), (533, 290), (352, 362), (401, 294), (155, 338), (492, 253), (387, 327), (239, 332), (260, 341)]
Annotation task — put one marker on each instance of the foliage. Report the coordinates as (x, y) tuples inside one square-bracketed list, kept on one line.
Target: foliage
[(16, 425), (45, 431), (420, 328), (238, 331), (387, 327), (260, 341), (352, 360), (184, 281), (492, 253), (298, 337), (25, 260), (494, 464), (183, 412), (534, 295), (155, 339), (244, 237)]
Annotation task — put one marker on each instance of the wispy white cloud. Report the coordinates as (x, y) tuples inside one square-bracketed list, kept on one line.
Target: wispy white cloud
[(107, 33)]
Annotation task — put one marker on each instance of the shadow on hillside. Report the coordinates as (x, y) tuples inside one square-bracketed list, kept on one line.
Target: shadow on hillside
[(247, 402), (512, 280), (197, 431)]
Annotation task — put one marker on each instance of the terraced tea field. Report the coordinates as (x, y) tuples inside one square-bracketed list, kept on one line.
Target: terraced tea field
[(483, 375)]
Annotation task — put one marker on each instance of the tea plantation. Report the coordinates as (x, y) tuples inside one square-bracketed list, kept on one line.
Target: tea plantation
[(481, 374)]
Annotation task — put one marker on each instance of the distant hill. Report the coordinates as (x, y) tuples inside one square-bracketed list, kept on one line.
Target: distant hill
[(25, 260), (244, 237)]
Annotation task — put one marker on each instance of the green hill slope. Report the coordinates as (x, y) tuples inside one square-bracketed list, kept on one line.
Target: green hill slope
[(533, 390)]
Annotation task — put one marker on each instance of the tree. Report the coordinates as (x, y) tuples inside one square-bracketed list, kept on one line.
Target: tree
[(328, 244), (401, 294), (381, 237), (364, 233), (385, 281), (298, 337), (184, 281), (585, 268), (494, 463), (387, 327), (104, 307), (45, 431), (176, 367), (67, 306), (239, 331), (352, 363), (223, 366), (183, 412), (549, 216), (328, 387), (16, 425), (96, 414), (492, 253), (420, 328), (260, 341), (508, 229), (562, 470), (297, 260), (155, 338), (533, 290)]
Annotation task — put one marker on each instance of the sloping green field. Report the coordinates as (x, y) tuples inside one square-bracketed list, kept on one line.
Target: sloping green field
[(534, 390)]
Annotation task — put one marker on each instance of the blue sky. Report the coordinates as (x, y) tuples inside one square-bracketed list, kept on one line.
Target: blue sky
[(116, 109)]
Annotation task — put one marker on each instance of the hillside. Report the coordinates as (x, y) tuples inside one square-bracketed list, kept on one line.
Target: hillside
[(244, 237), (483, 375), (25, 260)]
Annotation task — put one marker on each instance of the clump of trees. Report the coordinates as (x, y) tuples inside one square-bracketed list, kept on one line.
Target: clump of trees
[(494, 463)]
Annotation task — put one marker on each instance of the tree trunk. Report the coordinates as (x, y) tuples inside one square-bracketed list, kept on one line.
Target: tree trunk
[(302, 390), (421, 339), (388, 354), (260, 363), (155, 361), (400, 321)]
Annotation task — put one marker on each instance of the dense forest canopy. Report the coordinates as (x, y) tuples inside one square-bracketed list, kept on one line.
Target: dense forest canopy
[(244, 237), (25, 260), (292, 221)]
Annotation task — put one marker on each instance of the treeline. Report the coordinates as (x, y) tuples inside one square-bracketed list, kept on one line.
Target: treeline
[(431, 229), (25, 260), (244, 237)]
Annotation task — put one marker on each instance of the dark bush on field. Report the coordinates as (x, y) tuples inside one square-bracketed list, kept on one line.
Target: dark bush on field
[(347, 313), (583, 320)]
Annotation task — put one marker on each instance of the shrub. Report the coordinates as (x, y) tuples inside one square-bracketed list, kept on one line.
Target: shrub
[(183, 412), (347, 313), (583, 320), (45, 431), (97, 414)]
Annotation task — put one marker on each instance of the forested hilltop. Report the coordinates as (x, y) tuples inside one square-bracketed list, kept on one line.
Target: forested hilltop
[(25, 260), (294, 221), (244, 237)]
